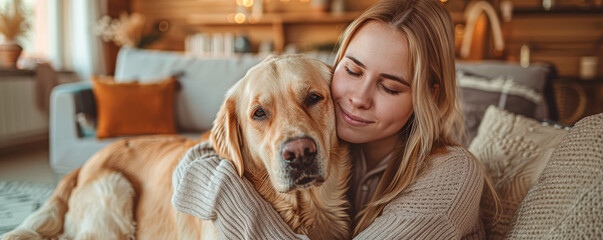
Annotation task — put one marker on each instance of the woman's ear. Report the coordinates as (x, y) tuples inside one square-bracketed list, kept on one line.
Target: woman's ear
[(226, 134)]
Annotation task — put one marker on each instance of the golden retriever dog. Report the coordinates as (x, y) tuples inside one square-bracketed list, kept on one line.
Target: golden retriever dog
[(277, 126)]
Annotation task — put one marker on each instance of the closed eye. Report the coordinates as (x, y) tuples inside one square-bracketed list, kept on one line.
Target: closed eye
[(350, 72), (387, 90)]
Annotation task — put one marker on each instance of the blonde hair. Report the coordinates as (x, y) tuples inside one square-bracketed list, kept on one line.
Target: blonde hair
[(437, 120)]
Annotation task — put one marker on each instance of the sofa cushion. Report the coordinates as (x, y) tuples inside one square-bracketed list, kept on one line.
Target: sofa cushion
[(514, 150), (567, 200), (535, 77), (134, 108), (479, 92)]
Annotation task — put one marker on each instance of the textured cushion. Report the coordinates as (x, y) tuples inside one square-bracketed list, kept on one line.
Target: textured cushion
[(514, 149), (134, 108), (567, 200), (480, 92), (535, 76)]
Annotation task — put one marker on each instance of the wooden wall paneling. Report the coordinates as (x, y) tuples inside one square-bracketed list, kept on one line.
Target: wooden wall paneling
[(112, 8), (557, 27), (173, 39), (179, 13), (176, 12), (278, 36), (557, 38), (557, 4), (308, 35), (182, 8), (355, 5), (527, 4)]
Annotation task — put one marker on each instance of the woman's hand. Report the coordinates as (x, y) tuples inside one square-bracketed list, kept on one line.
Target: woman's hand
[(199, 181)]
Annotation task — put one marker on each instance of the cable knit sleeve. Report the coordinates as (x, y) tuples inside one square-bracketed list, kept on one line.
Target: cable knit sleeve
[(442, 203), (208, 187)]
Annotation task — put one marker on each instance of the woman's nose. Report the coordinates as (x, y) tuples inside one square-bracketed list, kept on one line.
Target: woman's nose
[(360, 97)]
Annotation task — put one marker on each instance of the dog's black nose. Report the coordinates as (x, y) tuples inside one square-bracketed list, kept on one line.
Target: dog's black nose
[(299, 151)]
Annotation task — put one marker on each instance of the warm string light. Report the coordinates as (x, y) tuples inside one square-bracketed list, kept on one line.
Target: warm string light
[(247, 3), (244, 3), (243, 7), (239, 18)]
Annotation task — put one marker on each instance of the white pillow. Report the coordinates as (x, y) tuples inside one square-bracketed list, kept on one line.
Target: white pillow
[(514, 149)]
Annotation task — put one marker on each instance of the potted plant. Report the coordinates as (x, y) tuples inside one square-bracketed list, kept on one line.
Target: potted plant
[(13, 24)]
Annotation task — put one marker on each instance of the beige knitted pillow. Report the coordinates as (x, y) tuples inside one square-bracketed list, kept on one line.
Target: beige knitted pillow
[(514, 149), (567, 200)]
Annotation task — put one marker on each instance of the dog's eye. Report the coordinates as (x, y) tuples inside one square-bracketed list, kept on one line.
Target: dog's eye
[(314, 98), (259, 113)]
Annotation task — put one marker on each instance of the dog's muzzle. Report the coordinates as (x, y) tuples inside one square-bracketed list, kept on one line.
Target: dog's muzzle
[(299, 155)]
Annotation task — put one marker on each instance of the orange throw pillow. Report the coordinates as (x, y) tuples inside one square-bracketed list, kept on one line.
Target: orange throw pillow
[(134, 108)]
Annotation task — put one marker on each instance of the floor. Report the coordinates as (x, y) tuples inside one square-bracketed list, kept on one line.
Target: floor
[(31, 165)]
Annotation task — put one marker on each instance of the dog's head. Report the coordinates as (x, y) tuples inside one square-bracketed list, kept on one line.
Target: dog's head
[(280, 118)]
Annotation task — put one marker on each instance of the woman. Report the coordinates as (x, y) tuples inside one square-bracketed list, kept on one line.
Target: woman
[(395, 97)]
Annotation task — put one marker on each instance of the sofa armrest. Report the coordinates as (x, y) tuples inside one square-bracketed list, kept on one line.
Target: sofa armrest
[(63, 124)]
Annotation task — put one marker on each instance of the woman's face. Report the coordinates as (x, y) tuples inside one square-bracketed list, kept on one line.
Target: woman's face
[(371, 85)]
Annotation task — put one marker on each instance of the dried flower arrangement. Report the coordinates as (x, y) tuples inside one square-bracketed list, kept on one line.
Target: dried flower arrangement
[(128, 30), (13, 24)]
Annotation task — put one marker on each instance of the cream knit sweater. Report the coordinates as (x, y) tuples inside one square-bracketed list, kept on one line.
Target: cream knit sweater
[(443, 202)]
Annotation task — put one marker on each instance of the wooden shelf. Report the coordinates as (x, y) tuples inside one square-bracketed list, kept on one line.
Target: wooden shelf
[(273, 18), (557, 11), (280, 24), (13, 72), (277, 22), (285, 18)]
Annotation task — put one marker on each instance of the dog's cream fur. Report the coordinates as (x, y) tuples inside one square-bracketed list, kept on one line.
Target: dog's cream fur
[(124, 190)]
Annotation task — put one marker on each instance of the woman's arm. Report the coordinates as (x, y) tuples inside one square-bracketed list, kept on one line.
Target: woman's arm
[(208, 187)]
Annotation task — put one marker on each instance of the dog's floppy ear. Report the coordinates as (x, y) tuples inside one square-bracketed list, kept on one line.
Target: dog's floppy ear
[(226, 134), (325, 70)]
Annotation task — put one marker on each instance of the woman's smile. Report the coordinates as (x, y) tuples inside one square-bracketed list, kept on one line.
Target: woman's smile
[(353, 119)]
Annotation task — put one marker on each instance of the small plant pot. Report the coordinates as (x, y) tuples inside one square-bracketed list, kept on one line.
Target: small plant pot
[(9, 54)]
